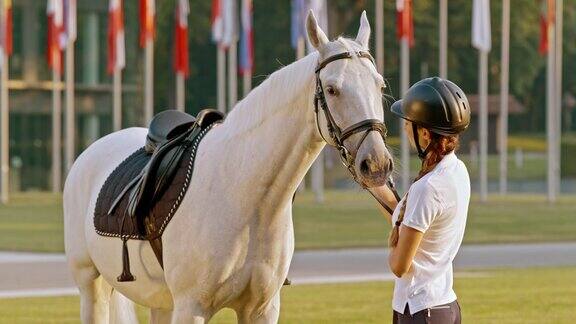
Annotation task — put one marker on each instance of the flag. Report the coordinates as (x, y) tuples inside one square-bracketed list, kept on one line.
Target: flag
[(246, 39), (147, 13), (481, 34), (297, 21), (404, 21), (230, 18), (224, 22), (69, 28), (217, 21), (547, 12), (55, 29), (181, 64), (116, 46), (6, 28)]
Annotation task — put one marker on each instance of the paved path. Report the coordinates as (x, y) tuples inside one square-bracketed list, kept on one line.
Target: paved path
[(30, 274)]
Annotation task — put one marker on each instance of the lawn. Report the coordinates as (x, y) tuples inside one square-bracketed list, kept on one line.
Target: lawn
[(543, 295), (33, 221)]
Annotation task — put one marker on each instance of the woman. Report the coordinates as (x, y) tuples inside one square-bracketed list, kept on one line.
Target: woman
[(429, 222)]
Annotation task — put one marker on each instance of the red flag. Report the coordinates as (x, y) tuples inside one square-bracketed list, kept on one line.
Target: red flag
[(246, 38), (55, 29), (116, 47), (147, 23), (181, 64), (217, 20), (6, 28), (546, 19), (404, 21)]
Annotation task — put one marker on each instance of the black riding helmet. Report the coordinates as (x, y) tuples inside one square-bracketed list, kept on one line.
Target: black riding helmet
[(436, 104)]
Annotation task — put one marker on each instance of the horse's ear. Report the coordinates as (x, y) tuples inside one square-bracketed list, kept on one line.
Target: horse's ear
[(315, 34), (363, 36)]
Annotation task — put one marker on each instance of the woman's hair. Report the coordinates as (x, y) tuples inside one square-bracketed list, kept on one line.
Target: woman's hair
[(440, 146)]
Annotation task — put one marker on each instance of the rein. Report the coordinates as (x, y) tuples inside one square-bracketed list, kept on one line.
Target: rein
[(337, 135)]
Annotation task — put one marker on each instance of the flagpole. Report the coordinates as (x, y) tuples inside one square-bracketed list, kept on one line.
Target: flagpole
[(550, 113), (558, 87), (404, 85), (380, 36), (4, 123), (443, 64), (117, 99), (148, 80), (70, 113), (221, 67), (483, 123), (247, 82), (56, 130), (180, 92), (504, 80), (232, 75)]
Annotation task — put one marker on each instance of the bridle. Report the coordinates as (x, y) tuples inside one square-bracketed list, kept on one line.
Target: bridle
[(336, 134)]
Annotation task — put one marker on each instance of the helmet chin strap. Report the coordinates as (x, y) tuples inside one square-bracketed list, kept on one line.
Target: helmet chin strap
[(421, 153)]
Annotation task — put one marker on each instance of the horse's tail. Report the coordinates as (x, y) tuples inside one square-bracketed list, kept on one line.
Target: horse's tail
[(121, 309)]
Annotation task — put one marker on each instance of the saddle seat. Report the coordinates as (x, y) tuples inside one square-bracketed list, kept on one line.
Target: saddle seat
[(171, 123), (141, 195)]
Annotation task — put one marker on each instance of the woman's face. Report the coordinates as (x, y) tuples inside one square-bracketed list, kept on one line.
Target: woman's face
[(423, 135)]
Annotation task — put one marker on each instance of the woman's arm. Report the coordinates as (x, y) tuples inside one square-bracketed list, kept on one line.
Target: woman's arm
[(401, 256), (384, 195)]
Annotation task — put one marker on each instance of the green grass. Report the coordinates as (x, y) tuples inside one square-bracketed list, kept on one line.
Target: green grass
[(543, 295), (33, 222)]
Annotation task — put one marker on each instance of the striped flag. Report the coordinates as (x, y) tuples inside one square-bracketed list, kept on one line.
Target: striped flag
[(224, 22), (297, 21), (547, 12), (69, 29), (481, 31), (55, 28), (404, 21), (116, 46), (217, 21), (147, 24), (181, 64), (246, 39), (6, 28)]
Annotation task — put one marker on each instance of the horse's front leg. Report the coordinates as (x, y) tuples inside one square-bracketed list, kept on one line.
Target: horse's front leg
[(189, 311), (269, 315)]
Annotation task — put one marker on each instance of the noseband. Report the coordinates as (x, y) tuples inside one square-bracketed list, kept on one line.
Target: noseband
[(336, 134)]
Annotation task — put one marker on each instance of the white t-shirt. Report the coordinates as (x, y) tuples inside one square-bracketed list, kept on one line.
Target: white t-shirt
[(437, 206)]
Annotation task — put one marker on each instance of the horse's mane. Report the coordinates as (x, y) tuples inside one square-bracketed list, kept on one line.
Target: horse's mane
[(277, 91)]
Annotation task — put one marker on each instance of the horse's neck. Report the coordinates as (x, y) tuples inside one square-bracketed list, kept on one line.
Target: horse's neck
[(278, 145)]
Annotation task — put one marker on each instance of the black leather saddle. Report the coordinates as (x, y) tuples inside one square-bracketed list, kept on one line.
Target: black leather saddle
[(141, 195)]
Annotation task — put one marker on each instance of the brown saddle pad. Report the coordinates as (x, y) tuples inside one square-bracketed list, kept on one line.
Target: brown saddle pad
[(141, 227)]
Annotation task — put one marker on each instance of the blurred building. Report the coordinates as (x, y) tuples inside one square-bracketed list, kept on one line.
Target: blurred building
[(471, 135), (30, 87)]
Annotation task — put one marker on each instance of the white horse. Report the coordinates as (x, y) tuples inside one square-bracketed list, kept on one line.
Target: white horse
[(231, 241)]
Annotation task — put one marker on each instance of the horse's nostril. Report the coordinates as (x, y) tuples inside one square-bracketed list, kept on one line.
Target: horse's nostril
[(364, 168)]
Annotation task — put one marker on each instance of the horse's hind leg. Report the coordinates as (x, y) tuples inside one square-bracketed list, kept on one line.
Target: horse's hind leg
[(94, 297)]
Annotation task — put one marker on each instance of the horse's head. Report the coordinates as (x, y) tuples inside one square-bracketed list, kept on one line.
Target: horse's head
[(349, 105)]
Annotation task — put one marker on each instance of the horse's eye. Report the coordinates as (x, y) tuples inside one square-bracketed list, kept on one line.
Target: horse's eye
[(331, 91), (383, 89)]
